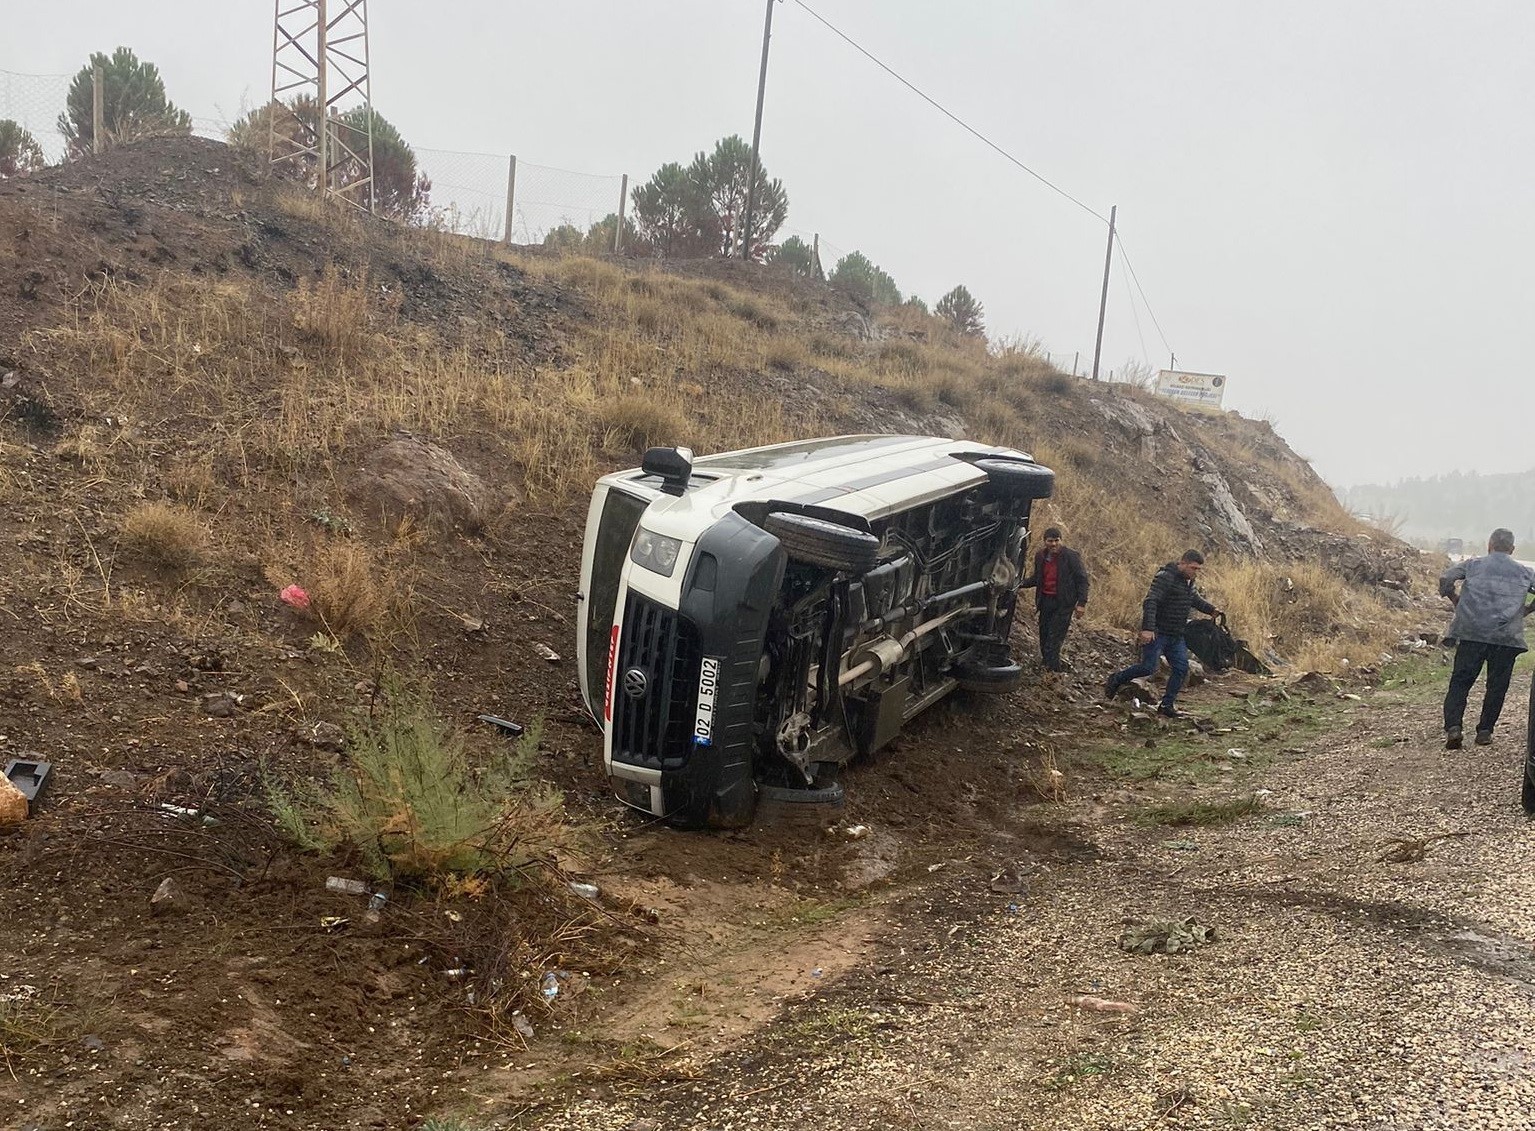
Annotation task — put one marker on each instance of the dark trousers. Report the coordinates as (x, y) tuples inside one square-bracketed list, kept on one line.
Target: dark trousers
[(1177, 651), (1470, 655), (1054, 624)]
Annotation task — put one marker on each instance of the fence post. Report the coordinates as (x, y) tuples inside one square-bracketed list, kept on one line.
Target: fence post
[(98, 109), (618, 231), (511, 195), (815, 253)]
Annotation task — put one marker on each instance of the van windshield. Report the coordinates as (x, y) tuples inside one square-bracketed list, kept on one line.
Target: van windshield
[(620, 515)]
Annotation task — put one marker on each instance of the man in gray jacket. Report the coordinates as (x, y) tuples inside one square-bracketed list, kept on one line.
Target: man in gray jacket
[(1488, 628)]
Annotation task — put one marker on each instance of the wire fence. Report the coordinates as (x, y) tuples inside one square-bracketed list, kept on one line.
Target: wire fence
[(35, 102), (471, 193), (489, 196)]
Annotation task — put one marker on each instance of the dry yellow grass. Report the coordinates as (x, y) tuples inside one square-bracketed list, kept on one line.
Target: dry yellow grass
[(291, 382), (163, 534)]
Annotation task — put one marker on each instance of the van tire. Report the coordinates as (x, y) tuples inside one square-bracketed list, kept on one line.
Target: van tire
[(818, 542), (1015, 480), (804, 808), (989, 679)]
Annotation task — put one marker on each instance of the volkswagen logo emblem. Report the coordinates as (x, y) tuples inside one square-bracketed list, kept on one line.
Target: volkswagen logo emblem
[(636, 683)]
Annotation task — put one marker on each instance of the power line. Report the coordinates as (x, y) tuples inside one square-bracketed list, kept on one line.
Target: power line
[(1135, 314), (1125, 256), (935, 104)]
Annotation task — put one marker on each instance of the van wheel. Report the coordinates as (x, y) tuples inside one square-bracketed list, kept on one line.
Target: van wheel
[(1018, 480), (786, 805), (818, 542), (991, 679)]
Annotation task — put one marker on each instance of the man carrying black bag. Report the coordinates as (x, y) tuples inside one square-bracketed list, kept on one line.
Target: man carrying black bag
[(1060, 588)]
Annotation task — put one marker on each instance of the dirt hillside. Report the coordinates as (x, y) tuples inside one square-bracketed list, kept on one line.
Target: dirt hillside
[(213, 389)]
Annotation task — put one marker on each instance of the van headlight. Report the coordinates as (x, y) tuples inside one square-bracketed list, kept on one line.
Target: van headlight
[(655, 552)]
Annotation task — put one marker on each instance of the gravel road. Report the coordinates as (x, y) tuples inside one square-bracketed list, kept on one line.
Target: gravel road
[(1354, 980)]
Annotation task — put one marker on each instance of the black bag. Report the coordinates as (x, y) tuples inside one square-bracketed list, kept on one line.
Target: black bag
[(1209, 640)]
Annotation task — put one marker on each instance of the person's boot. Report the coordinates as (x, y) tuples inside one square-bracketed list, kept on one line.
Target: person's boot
[(1484, 738), (1452, 738), (1110, 689), (1168, 711)]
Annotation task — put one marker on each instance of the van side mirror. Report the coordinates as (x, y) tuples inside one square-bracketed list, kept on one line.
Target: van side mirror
[(674, 467)]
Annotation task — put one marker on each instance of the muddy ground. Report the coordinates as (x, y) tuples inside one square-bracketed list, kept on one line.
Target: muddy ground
[(1370, 965)]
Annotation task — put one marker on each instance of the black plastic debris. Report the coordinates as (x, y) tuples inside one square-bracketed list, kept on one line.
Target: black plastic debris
[(29, 777), (506, 726)]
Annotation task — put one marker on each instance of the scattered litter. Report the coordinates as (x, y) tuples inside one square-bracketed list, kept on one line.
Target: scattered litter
[(456, 972), (347, 887), (334, 923), (376, 903), (93, 1043), (1263, 793), (1236, 755), (453, 916), (506, 726), (935, 867), (296, 597), (186, 814), (1012, 909), (28, 776), (522, 1026), (817, 972), (1102, 1004), (1165, 938), (547, 653), (856, 832), (586, 891), (550, 986)]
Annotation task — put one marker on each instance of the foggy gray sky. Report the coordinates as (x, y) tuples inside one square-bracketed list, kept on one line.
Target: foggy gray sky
[(1325, 201)]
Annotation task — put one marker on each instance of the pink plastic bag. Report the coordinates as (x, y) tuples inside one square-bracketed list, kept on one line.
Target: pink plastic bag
[(295, 596)]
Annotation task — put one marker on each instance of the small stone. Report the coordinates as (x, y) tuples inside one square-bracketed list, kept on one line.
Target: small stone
[(13, 804), (88, 663), (182, 686), (219, 705), (327, 736), (167, 898), (92, 1042)]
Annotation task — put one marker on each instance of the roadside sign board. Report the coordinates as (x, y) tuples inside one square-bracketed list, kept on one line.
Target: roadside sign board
[(1192, 388)]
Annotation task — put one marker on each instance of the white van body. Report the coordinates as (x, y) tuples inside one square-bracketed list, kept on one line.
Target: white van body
[(765, 615)]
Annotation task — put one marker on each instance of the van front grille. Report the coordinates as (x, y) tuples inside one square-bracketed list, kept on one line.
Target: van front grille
[(655, 692)]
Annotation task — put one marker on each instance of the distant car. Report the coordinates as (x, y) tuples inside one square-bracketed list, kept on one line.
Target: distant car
[(750, 622)]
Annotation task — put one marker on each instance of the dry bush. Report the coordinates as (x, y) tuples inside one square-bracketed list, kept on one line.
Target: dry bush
[(354, 594), (331, 312), (786, 354), (635, 422), (163, 534), (756, 311)]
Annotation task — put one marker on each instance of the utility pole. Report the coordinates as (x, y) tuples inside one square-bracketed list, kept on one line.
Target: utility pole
[(1103, 299), (1172, 360), (751, 186)]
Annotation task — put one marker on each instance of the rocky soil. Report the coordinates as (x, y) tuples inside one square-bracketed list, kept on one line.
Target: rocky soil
[(1370, 965)]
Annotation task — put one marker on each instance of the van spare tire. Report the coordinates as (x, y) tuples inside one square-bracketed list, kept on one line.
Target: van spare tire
[(1015, 480), (818, 542)]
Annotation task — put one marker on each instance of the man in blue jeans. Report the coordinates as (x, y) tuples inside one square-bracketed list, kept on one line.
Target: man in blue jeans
[(1164, 614)]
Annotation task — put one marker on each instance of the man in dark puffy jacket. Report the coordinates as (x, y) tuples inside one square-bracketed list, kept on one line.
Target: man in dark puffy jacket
[(1164, 614), (1060, 587)]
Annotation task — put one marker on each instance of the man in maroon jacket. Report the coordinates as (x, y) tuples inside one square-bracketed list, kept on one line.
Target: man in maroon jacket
[(1060, 586)]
